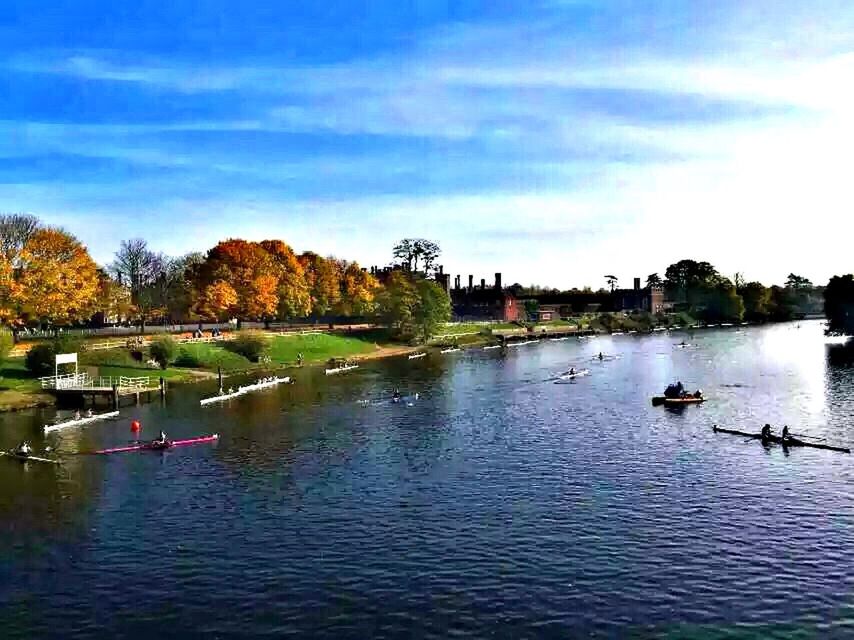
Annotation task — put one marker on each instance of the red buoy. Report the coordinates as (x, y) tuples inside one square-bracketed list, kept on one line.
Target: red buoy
[(135, 426)]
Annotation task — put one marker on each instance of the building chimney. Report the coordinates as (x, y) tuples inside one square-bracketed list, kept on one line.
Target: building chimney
[(471, 282), (441, 269), (637, 284), (498, 281), (482, 284)]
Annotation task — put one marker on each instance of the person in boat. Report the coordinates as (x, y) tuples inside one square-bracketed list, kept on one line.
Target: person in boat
[(572, 371), (24, 449), (396, 395), (766, 432), (698, 393), (680, 389), (77, 415), (162, 439), (89, 413), (785, 434), (601, 357)]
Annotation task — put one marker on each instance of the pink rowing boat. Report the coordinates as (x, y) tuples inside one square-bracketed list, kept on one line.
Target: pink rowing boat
[(157, 446)]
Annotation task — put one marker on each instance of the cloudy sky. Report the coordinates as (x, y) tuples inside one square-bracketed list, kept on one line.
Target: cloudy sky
[(553, 140)]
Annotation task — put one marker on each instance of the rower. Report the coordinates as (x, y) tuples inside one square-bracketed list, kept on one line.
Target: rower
[(24, 449), (680, 390), (766, 432), (396, 395), (89, 413), (601, 357), (572, 371), (785, 435), (77, 415), (161, 439)]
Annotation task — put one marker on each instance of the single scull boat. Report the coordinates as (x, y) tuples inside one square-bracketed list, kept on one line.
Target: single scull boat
[(19, 457), (158, 446)]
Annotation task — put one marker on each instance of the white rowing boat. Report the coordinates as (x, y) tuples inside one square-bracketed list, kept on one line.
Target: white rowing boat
[(572, 376), (451, 350), (349, 367), (522, 344), (79, 422), (415, 356), (492, 346), (244, 390), (564, 338)]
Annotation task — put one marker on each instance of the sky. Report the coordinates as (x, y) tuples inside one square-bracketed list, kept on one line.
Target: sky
[(555, 141)]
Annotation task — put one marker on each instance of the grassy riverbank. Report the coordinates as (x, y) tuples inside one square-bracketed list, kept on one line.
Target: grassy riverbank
[(19, 389)]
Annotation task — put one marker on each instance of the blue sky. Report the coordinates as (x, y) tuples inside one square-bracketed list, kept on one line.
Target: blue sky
[(552, 140)]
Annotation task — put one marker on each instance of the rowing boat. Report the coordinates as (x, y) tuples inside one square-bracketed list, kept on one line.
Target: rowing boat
[(415, 356), (349, 367), (572, 376), (80, 421), (563, 339), (788, 442), (675, 402), (157, 446), (451, 350), (19, 457), (244, 390), (522, 344), (492, 346)]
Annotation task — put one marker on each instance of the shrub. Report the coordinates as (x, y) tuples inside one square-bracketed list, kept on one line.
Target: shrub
[(162, 350), (41, 359), (188, 360), (250, 345)]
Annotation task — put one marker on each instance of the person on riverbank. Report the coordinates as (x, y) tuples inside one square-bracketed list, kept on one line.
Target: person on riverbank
[(299, 359)]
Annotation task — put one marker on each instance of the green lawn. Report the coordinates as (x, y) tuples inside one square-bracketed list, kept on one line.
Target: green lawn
[(320, 347), (14, 376), (206, 355)]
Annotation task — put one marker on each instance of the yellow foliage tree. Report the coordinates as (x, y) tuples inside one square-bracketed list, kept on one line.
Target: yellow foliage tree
[(358, 291), (58, 280), (324, 279), (263, 300), (293, 290), (217, 300)]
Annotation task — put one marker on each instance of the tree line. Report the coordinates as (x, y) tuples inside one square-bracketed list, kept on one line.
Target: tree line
[(48, 278)]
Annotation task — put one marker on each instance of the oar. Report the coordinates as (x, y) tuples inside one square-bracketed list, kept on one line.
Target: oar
[(801, 435)]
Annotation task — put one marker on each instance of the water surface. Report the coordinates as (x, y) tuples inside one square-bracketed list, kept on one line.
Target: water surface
[(498, 504)]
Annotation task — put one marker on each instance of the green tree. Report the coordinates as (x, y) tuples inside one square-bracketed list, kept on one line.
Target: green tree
[(839, 304), (7, 341), (163, 350), (410, 250), (798, 283), (653, 280), (783, 304), (397, 304), (432, 308), (757, 301)]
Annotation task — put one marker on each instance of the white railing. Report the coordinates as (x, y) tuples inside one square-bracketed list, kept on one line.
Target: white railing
[(124, 382), (66, 381)]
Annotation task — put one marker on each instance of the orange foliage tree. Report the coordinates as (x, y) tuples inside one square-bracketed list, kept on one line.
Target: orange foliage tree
[(293, 290), (324, 280), (58, 280), (217, 300)]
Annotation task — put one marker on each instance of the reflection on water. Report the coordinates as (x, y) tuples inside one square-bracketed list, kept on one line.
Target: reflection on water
[(497, 505)]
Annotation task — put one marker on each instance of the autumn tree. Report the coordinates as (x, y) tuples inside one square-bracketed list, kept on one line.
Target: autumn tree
[(358, 291), (294, 293), (58, 279), (246, 267), (218, 300), (324, 281)]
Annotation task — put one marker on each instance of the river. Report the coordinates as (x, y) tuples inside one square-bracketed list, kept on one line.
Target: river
[(498, 504)]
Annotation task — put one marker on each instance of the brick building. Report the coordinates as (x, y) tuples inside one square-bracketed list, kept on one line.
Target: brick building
[(482, 303)]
